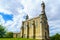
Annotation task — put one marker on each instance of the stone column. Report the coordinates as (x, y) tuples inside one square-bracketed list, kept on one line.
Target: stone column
[(27, 29), (33, 29), (22, 29), (48, 32)]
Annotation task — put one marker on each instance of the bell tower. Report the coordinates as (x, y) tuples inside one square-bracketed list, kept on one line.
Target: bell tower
[(43, 7), (43, 14), (44, 23)]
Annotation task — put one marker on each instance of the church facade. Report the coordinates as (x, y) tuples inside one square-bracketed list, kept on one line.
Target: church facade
[(35, 28)]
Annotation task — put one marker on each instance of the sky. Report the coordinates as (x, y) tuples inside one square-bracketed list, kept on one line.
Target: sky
[(13, 12)]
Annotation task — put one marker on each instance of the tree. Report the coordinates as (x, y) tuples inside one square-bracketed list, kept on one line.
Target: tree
[(2, 31), (55, 37), (9, 34)]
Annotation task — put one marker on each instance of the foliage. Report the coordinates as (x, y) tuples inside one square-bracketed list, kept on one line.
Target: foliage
[(9, 35), (2, 31), (55, 37)]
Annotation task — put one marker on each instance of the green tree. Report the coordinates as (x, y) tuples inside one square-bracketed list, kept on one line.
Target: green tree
[(2, 31), (55, 37), (9, 34)]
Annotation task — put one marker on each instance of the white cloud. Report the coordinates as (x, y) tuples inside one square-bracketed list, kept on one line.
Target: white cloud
[(2, 20), (5, 11)]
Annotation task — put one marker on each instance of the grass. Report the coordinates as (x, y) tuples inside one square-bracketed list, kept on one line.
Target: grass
[(16, 39)]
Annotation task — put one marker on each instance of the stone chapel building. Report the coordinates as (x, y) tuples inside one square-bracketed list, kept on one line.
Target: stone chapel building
[(35, 28)]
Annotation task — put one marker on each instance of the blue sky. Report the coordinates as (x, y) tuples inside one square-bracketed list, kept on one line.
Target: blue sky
[(6, 17), (12, 13)]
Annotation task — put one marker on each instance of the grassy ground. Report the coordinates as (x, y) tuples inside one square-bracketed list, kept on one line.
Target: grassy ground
[(16, 39)]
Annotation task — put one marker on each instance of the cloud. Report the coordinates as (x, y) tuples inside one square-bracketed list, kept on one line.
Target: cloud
[(1, 20), (12, 7), (52, 10)]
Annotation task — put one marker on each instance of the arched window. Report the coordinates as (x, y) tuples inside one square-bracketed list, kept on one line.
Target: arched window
[(30, 25), (25, 25), (36, 23)]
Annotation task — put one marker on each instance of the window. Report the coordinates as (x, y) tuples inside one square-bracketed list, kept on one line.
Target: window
[(30, 24), (25, 25), (36, 23), (45, 22)]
